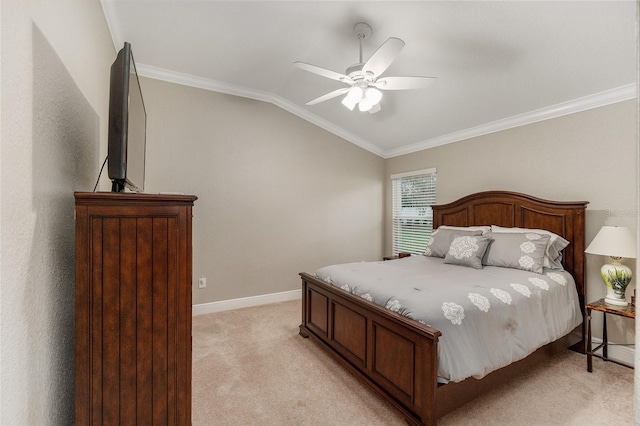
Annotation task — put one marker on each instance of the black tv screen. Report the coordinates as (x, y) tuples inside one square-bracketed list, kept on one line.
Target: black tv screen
[(127, 125)]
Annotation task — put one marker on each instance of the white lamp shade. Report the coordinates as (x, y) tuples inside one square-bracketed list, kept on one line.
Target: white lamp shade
[(614, 241)]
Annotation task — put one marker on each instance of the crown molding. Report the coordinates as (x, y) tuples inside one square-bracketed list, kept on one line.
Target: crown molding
[(230, 89), (108, 9), (200, 82), (608, 97), (619, 94)]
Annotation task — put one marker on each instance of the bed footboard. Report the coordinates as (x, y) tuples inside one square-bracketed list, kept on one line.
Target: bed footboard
[(395, 356)]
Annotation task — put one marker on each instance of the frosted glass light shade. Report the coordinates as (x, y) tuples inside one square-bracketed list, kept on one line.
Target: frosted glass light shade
[(373, 95), (365, 105), (353, 97), (349, 103), (367, 99)]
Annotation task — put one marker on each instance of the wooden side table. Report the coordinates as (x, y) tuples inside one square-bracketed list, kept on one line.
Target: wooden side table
[(398, 256), (628, 311)]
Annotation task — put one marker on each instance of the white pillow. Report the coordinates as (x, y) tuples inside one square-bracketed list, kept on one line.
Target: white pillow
[(553, 252), (484, 229)]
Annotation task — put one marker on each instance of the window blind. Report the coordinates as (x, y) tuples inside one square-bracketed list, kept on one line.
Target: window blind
[(413, 195)]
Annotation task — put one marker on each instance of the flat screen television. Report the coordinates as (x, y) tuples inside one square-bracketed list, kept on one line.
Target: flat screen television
[(127, 125)]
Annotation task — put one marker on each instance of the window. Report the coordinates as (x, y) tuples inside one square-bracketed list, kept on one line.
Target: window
[(413, 195)]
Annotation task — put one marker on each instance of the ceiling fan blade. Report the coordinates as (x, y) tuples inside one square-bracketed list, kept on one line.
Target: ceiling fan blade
[(323, 72), (404, 83), (383, 57), (328, 96)]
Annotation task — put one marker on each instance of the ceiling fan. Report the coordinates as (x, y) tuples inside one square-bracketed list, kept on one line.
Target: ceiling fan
[(364, 79)]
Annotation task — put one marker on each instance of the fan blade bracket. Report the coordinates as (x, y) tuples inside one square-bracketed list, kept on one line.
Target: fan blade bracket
[(404, 83)]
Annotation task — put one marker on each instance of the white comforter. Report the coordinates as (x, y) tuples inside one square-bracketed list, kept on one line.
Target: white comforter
[(489, 318)]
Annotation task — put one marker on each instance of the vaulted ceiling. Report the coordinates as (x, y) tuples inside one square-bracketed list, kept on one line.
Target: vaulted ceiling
[(498, 64)]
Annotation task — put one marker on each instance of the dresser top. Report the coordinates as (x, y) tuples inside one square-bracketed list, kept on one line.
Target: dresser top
[(111, 198)]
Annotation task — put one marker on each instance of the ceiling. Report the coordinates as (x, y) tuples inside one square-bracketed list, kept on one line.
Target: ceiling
[(498, 64)]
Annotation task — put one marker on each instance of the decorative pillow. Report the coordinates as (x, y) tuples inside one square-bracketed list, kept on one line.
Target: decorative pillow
[(517, 250), (553, 253), (484, 229), (440, 241), (467, 250)]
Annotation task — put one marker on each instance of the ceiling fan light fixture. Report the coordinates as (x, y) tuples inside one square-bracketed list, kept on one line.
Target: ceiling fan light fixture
[(349, 103), (353, 97), (365, 105), (364, 78), (373, 95), (355, 94)]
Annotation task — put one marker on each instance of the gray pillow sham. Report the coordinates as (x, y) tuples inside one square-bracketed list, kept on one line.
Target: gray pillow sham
[(440, 240), (517, 250), (553, 255), (467, 250)]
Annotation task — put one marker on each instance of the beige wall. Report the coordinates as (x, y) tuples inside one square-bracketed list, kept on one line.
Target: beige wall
[(55, 85), (277, 195), (591, 155)]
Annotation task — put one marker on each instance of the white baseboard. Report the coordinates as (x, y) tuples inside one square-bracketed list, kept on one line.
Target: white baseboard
[(245, 302), (623, 354)]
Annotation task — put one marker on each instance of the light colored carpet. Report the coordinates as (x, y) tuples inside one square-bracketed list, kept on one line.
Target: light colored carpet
[(250, 367)]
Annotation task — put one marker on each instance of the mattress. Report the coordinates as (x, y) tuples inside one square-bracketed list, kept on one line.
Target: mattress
[(489, 317)]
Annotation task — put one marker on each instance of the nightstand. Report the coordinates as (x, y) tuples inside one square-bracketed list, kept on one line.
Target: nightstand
[(628, 311), (398, 256)]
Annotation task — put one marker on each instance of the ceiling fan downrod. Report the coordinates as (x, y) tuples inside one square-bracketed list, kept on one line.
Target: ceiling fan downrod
[(362, 30)]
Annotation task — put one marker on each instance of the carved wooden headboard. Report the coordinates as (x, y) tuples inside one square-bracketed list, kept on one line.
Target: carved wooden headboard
[(511, 209)]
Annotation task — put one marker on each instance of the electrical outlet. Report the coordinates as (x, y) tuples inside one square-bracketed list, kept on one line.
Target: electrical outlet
[(202, 282)]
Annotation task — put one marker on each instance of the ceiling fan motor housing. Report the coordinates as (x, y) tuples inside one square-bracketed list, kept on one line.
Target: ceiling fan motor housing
[(355, 73)]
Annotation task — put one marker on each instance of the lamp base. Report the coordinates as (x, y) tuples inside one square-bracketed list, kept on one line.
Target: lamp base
[(616, 277), (616, 302)]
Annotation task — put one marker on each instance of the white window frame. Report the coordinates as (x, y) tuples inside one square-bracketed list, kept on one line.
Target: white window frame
[(412, 226)]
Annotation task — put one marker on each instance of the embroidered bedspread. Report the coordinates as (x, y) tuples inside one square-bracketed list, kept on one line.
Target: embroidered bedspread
[(489, 318)]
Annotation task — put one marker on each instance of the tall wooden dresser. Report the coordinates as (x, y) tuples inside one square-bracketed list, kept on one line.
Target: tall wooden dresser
[(133, 309)]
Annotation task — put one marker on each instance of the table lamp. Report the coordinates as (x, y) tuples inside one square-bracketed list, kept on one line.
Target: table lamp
[(616, 242)]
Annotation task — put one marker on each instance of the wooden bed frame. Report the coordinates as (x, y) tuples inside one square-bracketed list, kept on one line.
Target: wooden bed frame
[(396, 356)]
